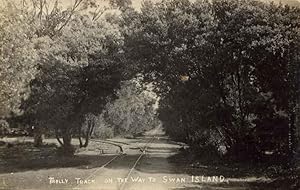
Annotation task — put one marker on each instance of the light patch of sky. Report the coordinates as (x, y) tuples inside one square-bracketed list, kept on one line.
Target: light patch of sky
[(135, 3)]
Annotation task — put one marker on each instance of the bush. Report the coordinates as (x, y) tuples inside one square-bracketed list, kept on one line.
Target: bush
[(104, 133), (206, 153), (4, 128)]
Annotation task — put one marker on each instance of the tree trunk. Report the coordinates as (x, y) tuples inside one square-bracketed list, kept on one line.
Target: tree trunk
[(79, 137), (38, 137), (89, 132), (292, 134), (66, 149), (297, 127), (67, 138), (80, 142), (58, 138), (86, 143)]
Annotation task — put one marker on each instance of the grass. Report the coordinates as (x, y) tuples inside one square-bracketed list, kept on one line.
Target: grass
[(257, 175), (22, 155)]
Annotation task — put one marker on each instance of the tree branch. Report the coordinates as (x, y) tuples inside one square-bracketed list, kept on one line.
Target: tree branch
[(73, 9), (57, 137)]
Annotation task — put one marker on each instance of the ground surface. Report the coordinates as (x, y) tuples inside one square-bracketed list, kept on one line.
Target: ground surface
[(150, 162)]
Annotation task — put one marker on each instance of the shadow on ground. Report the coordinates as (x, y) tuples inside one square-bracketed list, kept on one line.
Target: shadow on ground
[(26, 157), (249, 175)]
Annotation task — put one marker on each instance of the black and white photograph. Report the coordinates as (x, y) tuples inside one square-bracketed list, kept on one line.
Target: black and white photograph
[(149, 94)]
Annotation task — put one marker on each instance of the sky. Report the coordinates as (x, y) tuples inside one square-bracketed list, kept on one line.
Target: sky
[(137, 3)]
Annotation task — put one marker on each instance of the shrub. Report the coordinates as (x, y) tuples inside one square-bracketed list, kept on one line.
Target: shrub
[(4, 127), (104, 133)]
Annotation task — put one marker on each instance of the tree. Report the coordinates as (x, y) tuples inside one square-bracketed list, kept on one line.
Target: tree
[(78, 72), (214, 63), (121, 4), (17, 60), (28, 25), (134, 110)]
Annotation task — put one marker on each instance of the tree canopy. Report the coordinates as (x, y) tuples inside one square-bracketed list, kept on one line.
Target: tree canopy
[(224, 67), (226, 72)]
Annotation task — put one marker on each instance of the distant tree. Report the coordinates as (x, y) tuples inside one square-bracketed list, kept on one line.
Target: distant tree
[(121, 4), (134, 110)]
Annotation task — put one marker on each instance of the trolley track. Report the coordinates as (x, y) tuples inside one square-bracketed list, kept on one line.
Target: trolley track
[(136, 162), (122, 157)]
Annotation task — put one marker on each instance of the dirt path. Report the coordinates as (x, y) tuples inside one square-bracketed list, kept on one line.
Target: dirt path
[(159, 167), (151, 171)]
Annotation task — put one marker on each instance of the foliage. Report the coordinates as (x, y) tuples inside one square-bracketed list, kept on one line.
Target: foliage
[(104, 133), (226, 72), (77, 74), (214, 63), (4, 128), (17, 60), (133, 111), (67, 60)]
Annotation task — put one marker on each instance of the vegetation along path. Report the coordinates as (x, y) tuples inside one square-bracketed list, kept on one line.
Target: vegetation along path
[(150, 161)]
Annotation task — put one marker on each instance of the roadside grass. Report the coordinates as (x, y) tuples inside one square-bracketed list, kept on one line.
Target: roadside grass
[(24, 156), (21, 155), (258, 175)]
